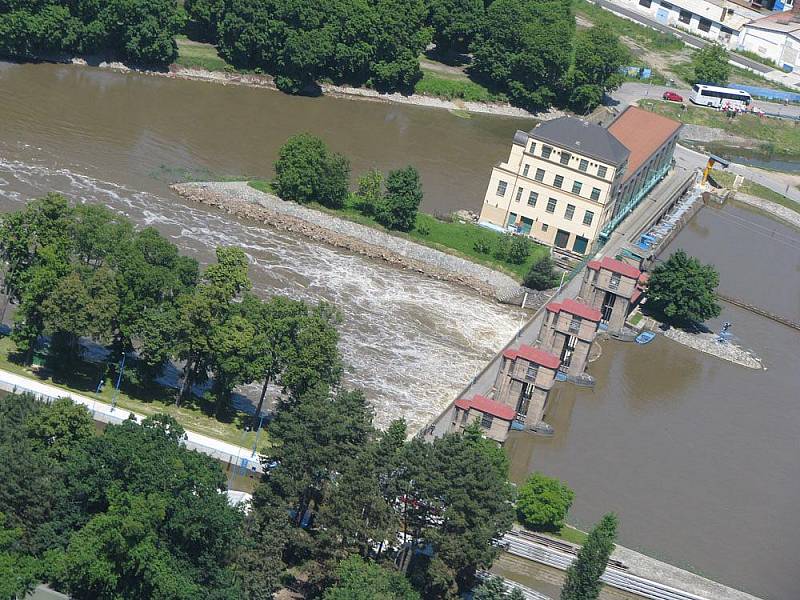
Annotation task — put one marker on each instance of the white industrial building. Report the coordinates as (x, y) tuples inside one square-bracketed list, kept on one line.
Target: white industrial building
[(776, 37)]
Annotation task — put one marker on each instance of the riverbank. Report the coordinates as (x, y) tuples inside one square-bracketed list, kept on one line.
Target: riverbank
[(241, 200), (229, 77), (708, 344)]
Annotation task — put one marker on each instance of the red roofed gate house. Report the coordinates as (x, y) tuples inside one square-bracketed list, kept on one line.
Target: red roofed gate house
[(524, 381), (494, 417), (568, 330), (612, 287)]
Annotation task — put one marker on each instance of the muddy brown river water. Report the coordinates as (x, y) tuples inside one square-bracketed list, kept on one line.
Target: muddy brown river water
[(698, 457)]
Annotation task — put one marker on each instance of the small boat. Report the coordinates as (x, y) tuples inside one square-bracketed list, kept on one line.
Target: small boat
[(645, 337)]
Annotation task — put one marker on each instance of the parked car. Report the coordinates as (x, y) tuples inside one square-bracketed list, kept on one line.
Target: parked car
[(672, 96)]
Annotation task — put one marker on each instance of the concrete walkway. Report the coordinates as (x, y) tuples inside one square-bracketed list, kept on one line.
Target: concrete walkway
[(105, 413)]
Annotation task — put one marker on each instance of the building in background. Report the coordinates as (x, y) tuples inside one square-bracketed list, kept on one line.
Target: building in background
[(776, 37), (567, 182)]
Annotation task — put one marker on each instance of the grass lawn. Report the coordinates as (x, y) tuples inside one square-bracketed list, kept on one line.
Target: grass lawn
[(196, 55), (685, 71), (455, 87), (451, 237), (84, 382), (755, 189), (776, 135), (644, 36)]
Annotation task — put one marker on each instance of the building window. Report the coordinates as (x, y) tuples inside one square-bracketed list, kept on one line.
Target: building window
[(615, 279), (704, 25), (525, 170), (533, 369), (576, 187), (570, 212), (532, 198), (595, 195), (544, 226), (583, 165), (685, 17), (486, 421), (539, 175), (533, 147), (519, 194), (546, 151), (645, 3), (601, 171), (502, 186), (580, 244), (588, 217), (558, 181), (666, 5), (575, 325), (551, 205), (565, 156)]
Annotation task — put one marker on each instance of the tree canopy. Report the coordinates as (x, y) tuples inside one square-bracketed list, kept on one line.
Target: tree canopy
[(357, 579), (543, 502), (596, 67), (307, 171), (710, 65), (398, 208), (583, 575), (682, 290)]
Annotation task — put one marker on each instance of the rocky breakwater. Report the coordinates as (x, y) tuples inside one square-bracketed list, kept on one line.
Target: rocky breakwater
[(239, 199)]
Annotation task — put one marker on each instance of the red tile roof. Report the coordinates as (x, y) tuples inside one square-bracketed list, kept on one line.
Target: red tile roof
[(641, 132), (579, 309), (615, 266), (643, 278), (534, 355), (490, 407)]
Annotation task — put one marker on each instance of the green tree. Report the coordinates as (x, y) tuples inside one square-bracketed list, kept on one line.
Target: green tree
[(359, 579), (595, 71), (710, 65), (583, 575), (232, 354), (521, 49), (307, 171), (204, 17), (541, 275), (60, 428), (455, 23), (682, 290), (519, 250), (398, 209), (258, 557), (493, 588), (543, 503), (398, 38), (19, 573), (370, 191)]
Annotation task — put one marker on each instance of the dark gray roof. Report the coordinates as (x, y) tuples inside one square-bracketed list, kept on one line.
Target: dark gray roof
[(583, 138)]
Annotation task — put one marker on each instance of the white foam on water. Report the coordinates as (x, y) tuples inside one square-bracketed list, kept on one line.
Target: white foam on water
[(410, 342)]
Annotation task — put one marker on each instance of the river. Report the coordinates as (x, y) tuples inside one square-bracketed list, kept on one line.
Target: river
[(697, 456)]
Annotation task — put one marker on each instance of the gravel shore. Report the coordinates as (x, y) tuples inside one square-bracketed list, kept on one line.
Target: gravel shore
[(707, 342), (240, 199), (776, 210)]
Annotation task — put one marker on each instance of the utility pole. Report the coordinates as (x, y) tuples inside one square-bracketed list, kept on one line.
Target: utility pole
[(119, 381)]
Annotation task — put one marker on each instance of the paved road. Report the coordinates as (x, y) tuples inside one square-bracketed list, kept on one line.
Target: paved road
[(686, 38), (630, 92), (105, 413)]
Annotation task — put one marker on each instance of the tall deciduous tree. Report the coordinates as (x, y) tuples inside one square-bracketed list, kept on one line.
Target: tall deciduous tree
[(19, 572), (307, 171), (521, 49), (710, 65), (583, 575), (683, 290), (359, 579), (370, 191), (543, 502), (455, 23), (398, 209), (595, 71), (541, 275)]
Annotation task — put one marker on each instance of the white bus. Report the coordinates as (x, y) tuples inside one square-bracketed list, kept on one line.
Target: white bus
[(720, 97)]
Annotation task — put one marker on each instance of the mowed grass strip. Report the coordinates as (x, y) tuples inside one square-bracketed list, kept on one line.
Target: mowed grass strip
[(190, 417), (452, 237)]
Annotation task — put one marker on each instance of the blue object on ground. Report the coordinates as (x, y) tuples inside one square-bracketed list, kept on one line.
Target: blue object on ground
[(645, 337)]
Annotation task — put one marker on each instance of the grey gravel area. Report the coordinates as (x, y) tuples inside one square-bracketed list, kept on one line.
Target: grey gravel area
[(776, 210), (240, 199), (707, 342)]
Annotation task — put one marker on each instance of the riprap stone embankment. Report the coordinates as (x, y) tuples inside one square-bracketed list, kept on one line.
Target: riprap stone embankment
[(240, 199)]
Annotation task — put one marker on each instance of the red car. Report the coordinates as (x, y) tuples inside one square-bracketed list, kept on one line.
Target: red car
[(672, 96)]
